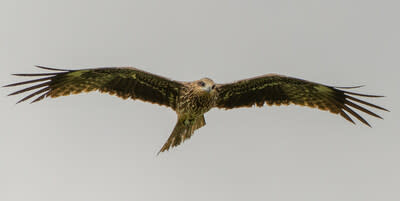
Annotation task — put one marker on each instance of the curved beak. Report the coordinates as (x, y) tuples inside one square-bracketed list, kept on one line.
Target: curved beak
[(207, 89)]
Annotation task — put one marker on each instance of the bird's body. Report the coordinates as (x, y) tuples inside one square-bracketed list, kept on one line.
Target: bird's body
[(191, 100), (195, 99)]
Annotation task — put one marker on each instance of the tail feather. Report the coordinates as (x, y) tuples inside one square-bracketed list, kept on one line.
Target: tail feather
[(183, 130)]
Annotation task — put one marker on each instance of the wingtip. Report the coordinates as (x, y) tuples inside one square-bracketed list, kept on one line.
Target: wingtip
[(384, 109), (20, 101), (365, 123), (162, 150), (48, 68), (158, 153), (11, 94), (11, 85), (352, 87), (364, 95)]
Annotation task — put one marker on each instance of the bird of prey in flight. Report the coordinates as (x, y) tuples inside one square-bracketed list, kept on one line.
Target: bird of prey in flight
[(190, 100)]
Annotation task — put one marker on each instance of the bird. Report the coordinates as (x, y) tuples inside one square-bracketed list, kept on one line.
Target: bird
[(191, 100)]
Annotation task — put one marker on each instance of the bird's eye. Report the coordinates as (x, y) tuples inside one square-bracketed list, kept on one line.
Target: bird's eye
[(201, 83)]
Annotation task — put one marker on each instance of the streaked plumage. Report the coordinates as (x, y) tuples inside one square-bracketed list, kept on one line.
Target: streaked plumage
[(190, 100)]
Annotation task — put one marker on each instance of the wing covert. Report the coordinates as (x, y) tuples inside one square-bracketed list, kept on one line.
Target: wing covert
[(125, 82)]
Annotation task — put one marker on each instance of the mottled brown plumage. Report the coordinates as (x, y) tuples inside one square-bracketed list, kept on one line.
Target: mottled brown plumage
[(190, 100)]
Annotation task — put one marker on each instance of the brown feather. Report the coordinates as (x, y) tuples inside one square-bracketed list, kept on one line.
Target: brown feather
[(27, 82), (34, 94), (347, 117), (30, 88), (183, 130)]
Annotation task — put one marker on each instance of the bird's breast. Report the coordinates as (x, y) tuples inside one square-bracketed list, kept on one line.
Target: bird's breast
[(195, 104)]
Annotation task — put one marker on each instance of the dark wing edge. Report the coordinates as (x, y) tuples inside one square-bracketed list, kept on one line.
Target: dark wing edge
[(125, 82), (275, 89)]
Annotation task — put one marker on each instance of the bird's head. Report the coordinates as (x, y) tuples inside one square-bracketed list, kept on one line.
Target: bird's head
[(205, 85)]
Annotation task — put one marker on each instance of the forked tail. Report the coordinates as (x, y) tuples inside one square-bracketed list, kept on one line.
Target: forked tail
[(183, 130)]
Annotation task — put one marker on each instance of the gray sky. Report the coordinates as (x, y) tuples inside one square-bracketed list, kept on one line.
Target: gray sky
[(99, 147)]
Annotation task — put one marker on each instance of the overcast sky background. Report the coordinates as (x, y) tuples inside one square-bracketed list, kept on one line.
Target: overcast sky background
[(99, 147)]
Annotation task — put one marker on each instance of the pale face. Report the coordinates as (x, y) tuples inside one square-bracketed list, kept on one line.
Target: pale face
[(205, 84)]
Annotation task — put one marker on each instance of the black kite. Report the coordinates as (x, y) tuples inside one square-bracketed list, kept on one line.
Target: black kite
[(190, 100)]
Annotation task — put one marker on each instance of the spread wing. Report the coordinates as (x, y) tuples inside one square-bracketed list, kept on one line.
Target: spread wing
[(124, 82), (276, 90)]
